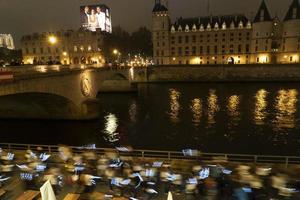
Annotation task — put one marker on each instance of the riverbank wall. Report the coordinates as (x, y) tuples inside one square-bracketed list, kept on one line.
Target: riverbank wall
[(222, 73)]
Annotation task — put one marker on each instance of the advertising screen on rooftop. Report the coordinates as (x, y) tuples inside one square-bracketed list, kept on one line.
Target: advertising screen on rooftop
[(95, 17)]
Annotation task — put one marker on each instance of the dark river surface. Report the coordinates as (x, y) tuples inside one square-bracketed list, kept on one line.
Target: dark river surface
[(252, 118)]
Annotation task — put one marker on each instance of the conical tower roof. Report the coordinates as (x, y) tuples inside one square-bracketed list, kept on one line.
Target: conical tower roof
[(263, 13), (159, 7), (294, 11)]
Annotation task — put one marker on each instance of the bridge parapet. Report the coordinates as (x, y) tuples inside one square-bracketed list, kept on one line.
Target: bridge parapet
[(77, 86)]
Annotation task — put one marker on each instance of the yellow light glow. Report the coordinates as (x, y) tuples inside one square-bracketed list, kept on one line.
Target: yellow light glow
[(260, 112), (263, 59), (52, 39), (213, 107), (196, 107), (115, 51), (286, 108), (174, 105), (65, 53), (196, 61)]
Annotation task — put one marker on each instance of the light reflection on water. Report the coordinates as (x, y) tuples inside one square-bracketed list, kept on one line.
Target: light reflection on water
[(233, 110), (260, 112), (174, 105), (286, 107), (196, 108), (213, 107), (215, 117), (111, 125)]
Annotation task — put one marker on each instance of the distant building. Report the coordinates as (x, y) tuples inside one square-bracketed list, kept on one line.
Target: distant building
[(65, 47), (226, 39), (6, 41)]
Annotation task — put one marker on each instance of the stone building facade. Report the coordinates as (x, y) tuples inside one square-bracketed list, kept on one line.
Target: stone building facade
[(65, 47), (226, 39), (6, 41)]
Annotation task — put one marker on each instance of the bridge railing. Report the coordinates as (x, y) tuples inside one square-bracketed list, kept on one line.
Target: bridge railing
[(168, 155)]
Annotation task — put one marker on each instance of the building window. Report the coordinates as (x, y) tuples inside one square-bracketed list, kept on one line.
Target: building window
[(172, 40), (291, 59), (163, 44), (49, 50), (186, 39), (157, 52), (295, 13), (179, 39), (216, 49), (247, 48), (201, 49), (240, 48), (187, 51), (157, 44), (162, 53), (231, 48), (42, 50), (194, 38), (173, 51), (56, 50), (257, 59), (266, 48), (194, 50), (179, 50), (208, 50), (33, 50), (256, 48)]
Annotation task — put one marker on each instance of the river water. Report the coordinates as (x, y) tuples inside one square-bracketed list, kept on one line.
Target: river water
[(253, 118)]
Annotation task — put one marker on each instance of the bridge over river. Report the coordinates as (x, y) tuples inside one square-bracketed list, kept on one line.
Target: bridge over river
[(62, 92)]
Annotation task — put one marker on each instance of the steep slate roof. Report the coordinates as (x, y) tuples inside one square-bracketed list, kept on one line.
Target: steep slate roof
[(289, 15), (212, 20), (159, 8), (263, 7)]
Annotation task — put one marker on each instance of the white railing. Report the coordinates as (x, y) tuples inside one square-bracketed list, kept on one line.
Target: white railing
[(169, 155)]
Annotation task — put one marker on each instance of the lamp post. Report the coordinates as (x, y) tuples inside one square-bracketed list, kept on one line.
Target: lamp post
[(117, 53), (52, 41)]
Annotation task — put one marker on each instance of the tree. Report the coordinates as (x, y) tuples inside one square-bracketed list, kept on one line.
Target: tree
[(139, 42)]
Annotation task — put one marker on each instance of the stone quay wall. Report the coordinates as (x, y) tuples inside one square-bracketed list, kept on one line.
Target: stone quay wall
[(222, 73)]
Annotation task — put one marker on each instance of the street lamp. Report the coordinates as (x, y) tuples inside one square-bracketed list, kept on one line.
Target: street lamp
[(115, 51), (52, 39), (117, 54)]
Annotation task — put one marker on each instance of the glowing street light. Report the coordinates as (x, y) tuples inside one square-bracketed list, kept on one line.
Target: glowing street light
[(52, 40), (115, 51), (65, 53)]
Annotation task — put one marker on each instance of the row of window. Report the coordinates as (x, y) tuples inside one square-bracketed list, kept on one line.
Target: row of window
[(207, 50), (56, 50)]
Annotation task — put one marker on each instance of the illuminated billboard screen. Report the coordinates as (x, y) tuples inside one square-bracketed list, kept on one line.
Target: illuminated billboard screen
[(95, 17)]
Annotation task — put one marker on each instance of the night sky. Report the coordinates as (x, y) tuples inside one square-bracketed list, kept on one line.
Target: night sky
[(20, 17)]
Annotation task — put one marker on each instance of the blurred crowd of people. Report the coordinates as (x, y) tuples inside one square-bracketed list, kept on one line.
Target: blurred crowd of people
[(147, 179)]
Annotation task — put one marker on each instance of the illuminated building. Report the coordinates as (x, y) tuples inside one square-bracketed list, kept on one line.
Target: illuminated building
[(65, 47), (226, 39), (7, 41)]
